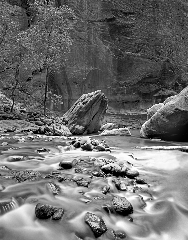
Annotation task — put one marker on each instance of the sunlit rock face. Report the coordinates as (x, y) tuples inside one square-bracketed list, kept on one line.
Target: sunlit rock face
[(130, 49), (86, 114)]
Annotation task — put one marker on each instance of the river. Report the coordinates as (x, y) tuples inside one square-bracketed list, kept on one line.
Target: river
[(160, 208)]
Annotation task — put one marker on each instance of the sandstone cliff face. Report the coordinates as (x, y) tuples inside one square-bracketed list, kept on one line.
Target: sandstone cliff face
[(130, 49)]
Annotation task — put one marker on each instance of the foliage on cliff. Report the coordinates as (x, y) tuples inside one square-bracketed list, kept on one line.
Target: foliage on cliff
[(42, 46)]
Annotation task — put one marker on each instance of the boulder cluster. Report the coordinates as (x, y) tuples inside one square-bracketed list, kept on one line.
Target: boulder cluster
[(88, 144)]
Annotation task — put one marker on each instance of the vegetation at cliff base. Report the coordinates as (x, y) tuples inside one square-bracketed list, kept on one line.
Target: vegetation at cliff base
[(41, 47)]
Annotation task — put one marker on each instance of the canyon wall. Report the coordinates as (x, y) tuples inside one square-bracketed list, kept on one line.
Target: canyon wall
[(129, 49)]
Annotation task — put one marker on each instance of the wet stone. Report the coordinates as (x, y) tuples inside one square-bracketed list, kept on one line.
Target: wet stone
[(99, 162), (44, 211), (39, 123), (98, 174), (54, 188), (96, 223), (140, 181), (15, 158), (83, 182), (27, 175), (60, 178), (122, 206), (100, 148), (132, 173), (119, 235), (87, 147), (120, 185), (78, 170), (5, 168), (112, 168), (106, 189), (76, 144), (95, 142), (43, 150), (74, 141), (58, 214), (68, 164)]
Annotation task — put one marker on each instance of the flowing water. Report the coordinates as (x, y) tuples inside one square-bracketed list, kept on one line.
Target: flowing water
[(160, 208)]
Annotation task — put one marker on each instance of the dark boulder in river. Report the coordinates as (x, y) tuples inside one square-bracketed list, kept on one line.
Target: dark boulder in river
[(46, 211), (96, 223), (170, 121), (86, 114), (122, 206)]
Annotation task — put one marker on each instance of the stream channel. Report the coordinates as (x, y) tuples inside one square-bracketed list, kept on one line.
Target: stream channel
[(160, 206)]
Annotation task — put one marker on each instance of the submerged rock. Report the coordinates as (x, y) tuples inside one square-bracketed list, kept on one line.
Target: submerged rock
[(122, 206), (8, 205), (96, 223), (53, 188), (120, 235), (86, 114)]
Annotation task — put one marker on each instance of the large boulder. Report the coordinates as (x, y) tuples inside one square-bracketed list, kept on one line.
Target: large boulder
[(86, 114), (170, 122)]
